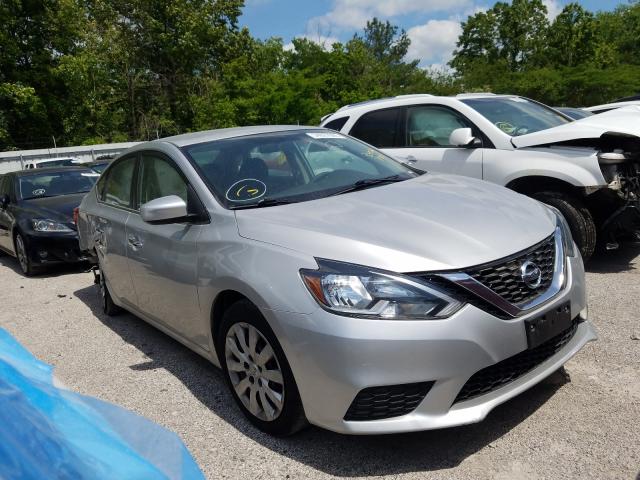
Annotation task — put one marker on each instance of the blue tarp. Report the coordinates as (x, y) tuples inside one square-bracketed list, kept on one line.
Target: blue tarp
[(50, 432)]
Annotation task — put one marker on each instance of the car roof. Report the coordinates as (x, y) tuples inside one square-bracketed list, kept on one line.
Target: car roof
[(223, 133), (417, 96), (38, 171), (45, 160)]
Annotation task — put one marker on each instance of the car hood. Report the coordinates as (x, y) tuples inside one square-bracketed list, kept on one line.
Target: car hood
[(625, 121), (433, 222), (58, 208)]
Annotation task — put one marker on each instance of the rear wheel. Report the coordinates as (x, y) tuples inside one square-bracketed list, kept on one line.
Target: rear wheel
[(108, 307), (579, 218), (26, 265), (257, 371)]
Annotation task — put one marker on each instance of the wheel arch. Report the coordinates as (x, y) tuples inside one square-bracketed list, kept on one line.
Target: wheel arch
[(529, 185), (221, 304)]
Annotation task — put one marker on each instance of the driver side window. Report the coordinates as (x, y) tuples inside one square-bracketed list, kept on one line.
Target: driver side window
[(431, 126), (159, 178)]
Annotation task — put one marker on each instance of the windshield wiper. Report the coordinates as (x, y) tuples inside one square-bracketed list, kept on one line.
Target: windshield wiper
[(265, 202), (369, 182), (40, 196)]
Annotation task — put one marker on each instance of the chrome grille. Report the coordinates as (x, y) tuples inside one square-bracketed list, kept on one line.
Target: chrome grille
[(505, 279)]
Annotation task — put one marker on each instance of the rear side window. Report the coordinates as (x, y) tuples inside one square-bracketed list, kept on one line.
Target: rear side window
[(379, 128), (117, 188), (337, 124)]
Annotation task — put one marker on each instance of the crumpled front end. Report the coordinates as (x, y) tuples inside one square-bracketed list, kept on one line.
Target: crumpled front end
[(618, 205)]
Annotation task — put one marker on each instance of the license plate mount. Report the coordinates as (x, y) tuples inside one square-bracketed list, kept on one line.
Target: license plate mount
[(547, 326)]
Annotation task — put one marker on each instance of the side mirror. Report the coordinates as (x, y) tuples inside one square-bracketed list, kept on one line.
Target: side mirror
[(463, 137), (169, 209), (4, 201)]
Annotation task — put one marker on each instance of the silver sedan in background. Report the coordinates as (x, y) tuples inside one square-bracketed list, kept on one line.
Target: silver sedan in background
[(334, 285)]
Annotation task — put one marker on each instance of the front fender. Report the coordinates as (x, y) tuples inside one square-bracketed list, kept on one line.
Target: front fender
[(577, 167)]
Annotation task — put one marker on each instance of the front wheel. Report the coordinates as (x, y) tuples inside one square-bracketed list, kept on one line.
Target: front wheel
[(26, 265), (257, 371), (579, 218)]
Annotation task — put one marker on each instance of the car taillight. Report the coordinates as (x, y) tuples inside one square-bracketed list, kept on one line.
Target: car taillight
[(76, 212)]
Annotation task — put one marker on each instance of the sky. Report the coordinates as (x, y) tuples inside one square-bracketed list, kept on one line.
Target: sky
[(432, 25)]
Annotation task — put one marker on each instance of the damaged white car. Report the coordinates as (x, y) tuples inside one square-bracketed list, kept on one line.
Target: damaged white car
[(589, 169)]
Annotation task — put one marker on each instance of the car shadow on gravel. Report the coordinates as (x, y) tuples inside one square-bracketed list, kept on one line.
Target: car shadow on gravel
[(625, 259), (332, 453), (49, 272)]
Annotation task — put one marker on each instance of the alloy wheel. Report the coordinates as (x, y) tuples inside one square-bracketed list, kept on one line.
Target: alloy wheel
[(21, 253), (254, 371)]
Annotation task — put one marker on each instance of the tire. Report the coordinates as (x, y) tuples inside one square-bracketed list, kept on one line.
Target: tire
[(108, 307), (579, 218), (26, 265), (255, 391)]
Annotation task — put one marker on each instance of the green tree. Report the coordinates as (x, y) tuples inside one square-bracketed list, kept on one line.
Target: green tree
[(511, 33), (34, 37), (572, 37)]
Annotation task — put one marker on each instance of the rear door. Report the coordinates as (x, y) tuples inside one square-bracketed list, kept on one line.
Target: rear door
[(426, 142), (108, 223), (163, 258)]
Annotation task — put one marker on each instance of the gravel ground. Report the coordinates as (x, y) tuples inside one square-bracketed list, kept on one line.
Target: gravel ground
[(586, 428)]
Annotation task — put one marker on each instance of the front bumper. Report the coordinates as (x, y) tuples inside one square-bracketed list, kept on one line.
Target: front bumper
[(333, 358), (49, 249)]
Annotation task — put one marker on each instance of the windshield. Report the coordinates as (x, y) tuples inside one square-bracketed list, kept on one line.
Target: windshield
[(293, 166), (54, 184), (99, 167), (516, 115)]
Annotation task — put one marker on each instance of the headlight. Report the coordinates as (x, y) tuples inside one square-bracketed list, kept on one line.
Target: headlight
[(353, 290), (49, 226), (567, 239)]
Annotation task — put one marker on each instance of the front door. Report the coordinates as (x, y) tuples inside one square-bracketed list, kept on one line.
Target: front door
[(163, 259), (426, 144)]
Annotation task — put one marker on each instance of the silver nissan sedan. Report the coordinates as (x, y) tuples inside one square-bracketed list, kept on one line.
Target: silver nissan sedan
[(334, 285)]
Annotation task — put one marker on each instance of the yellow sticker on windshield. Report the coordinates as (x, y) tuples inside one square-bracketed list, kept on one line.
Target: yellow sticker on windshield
[(246, 190)]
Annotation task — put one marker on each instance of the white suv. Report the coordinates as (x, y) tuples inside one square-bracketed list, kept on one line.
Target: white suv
[(589, 169)]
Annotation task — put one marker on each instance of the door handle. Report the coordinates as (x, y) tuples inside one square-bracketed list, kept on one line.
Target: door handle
[(134, 241)]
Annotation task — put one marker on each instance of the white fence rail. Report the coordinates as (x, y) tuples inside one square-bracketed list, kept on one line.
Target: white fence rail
[(11, 161)]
